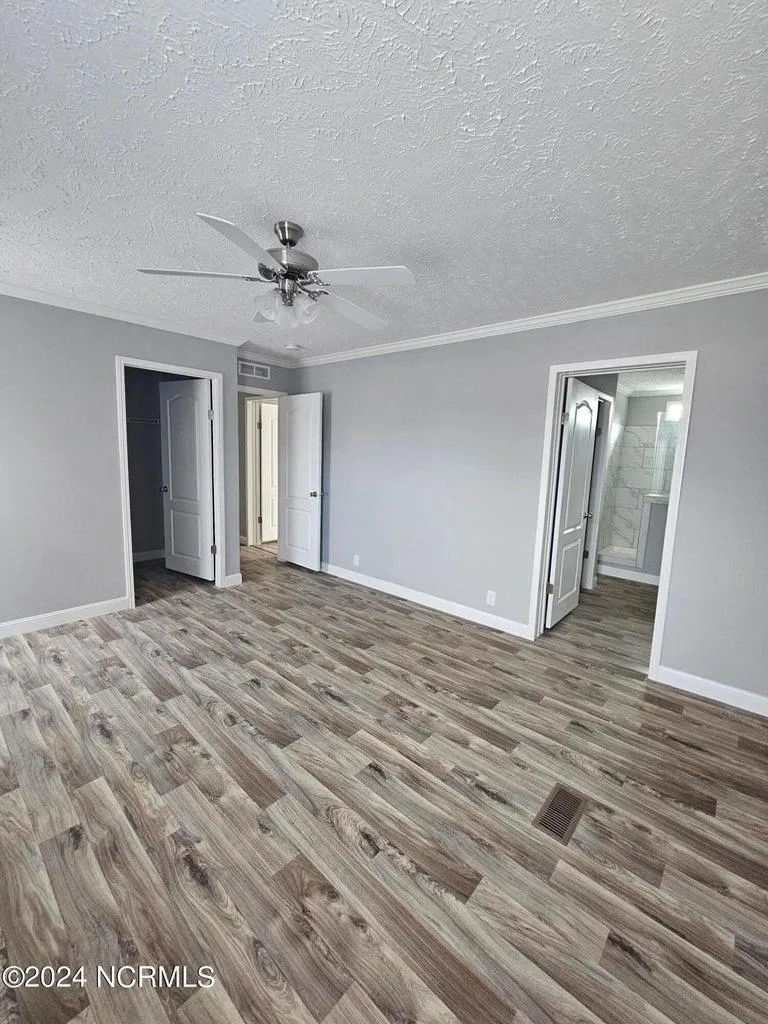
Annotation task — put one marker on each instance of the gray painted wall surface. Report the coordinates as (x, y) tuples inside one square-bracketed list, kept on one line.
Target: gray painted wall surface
[(145, 464), (605, 382), (61, 541), (433, 463), (281, 378)]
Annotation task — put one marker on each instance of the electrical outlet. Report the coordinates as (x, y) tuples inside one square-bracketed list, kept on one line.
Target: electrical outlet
[(490, 597), (355, 560)]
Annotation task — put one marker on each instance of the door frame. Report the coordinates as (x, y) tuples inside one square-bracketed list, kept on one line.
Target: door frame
[(558, 373), (599, 472), (252, 458), (252, 470), (217, 403)]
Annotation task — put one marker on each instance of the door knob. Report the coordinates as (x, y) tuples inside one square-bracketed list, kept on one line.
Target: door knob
[(588, 515), (313, 494), (163, 488)]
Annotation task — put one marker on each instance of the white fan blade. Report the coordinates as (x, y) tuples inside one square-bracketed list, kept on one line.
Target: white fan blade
[(383, 277), (239, 237), (352, 312), (199, 273), (260, 319)]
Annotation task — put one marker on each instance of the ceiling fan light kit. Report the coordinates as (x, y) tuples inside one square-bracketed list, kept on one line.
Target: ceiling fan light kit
[(298, 287)]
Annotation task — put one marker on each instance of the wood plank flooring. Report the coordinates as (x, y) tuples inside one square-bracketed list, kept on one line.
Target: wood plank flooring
[(327, 795)]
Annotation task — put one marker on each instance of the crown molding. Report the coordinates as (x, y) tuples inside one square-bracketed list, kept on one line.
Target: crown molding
[(112, 313), (616, 307), (579, 314), (645, 393)]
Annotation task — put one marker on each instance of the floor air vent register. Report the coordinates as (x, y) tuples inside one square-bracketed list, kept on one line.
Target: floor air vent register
[(561, 813)]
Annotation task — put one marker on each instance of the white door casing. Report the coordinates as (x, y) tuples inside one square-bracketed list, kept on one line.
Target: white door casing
[(300, 447), (186, 442), (269, 472), (577, 448), (597, 493)]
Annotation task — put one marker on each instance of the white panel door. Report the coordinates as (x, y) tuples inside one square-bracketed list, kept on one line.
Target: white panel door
[(269, 463), (577, 449), (300, 446), (185, 434)]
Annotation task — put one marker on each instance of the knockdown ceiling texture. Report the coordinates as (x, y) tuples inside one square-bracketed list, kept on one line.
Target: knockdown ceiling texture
[(520, 158)]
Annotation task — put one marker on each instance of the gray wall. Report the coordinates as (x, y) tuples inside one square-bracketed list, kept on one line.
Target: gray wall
[(605, 382), (61, 542), (145, 464), (281, 378), (433, 463)]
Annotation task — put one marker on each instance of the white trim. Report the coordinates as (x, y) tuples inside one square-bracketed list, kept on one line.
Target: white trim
[(557, 377), (234, 580), (217, 403), (635, 575), (113, 313), (243, 541), (49, 619), (617, 307), (732, 695), (652, 394), (252, 470), (461, 611), (148, 556), (597, 489)]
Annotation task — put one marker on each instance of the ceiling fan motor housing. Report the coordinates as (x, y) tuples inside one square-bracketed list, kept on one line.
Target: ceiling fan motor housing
[(296, 264)]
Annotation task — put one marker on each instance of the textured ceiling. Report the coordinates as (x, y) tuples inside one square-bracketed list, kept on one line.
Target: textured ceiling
[(667, 381), (520, 158)]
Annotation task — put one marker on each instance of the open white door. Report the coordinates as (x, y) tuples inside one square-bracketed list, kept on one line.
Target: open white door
[(577, 449), (269, 463), (185, 435), (300, 446)]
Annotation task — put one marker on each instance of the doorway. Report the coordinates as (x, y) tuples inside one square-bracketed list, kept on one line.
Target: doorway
[(259, 481), (602, 473), (171, 466), (281, 473)]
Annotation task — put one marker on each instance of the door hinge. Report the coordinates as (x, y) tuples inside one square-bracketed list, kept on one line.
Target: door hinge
[(598, 431), (550, 588), (213, 549), (586, 553), (210, 414), (258, 424), (259, 519), (564, 419)]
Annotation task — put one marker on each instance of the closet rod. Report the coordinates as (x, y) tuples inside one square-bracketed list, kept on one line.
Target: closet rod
[(142, 419)]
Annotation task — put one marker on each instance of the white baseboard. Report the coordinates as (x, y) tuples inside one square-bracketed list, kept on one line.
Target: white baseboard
[(627, 574), (50, 619), (234, 580), (439, 604), (744, 699), (243, 541), (148, 556)]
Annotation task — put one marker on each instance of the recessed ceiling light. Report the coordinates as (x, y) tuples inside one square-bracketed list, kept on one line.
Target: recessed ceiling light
[(292, 348)]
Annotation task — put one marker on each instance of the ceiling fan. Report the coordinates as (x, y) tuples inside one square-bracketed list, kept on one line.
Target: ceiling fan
[(297, 285)]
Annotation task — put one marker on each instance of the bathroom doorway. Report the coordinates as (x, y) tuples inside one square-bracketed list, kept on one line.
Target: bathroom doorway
[(608, 504)]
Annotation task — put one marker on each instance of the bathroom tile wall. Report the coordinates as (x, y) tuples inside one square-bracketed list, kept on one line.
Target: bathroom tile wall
[(630, 473)]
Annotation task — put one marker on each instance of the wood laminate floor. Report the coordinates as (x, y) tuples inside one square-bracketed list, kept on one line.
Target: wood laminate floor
[(328, 794)]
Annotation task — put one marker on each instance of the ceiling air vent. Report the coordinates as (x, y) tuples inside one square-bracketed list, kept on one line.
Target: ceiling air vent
[(560, 814), (245, 368)]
